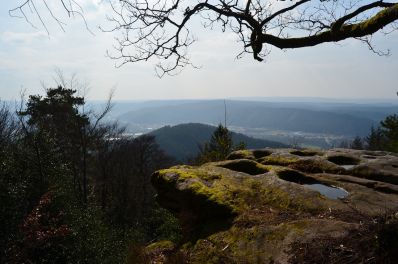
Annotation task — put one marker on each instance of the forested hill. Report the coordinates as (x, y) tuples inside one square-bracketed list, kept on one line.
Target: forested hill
[(182, 141), (346, 119)]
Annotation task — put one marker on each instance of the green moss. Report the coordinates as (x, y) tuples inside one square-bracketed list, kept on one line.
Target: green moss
[(235, 245), (212, 194), (315, 166), (281, 231), (236, 194), (209, 207), (241, 154), (238, 218), (161, 245), (185, 173), (256, 244), (278, 160), (285, 200), (223, 191), (367, 25), (202, 207)]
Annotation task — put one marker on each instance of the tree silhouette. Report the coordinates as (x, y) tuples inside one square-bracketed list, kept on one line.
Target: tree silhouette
[(375, 140), (384, 137), (219, 146), (163, 29), (221, 141), (357, 143), (389, 127)]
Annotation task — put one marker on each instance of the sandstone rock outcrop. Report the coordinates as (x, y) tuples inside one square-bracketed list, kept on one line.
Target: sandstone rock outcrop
[(286, 206)]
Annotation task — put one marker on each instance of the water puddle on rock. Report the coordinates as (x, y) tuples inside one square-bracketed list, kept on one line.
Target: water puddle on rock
[(331, 192), (348, 167)]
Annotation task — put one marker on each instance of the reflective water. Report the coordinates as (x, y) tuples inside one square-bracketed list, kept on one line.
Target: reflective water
[(348, 167), (331, 192)]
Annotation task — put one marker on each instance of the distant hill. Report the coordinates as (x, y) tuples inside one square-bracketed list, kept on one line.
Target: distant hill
[(182, 141), (336, 119)]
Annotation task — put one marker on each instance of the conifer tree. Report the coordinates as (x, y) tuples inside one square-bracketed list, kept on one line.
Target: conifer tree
[(356, 143), (375, 140), (389, 128), (219, 146)]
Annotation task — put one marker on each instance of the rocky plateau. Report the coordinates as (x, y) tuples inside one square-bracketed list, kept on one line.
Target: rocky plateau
[(283, 206)]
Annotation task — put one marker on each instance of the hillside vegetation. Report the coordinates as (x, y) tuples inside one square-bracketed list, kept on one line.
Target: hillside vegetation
[(183, 141)]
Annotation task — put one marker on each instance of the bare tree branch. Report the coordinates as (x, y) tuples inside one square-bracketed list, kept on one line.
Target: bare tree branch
[(72, 8), (161, 30)]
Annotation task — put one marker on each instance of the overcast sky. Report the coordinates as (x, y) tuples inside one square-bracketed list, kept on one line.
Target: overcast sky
[(28, 57)]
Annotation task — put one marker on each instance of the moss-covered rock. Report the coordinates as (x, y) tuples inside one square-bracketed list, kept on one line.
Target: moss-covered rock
[(278, 159), (160, 246), (246, 166), (241, 154), (257, 207)]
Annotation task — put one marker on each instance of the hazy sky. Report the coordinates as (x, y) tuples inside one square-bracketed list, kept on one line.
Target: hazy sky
[(28, 56)]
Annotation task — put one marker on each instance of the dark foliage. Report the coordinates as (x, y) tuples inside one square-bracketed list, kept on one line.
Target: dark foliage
[(375, 140), (384, 137), (219, 146), (389, 128), (357, 143), (123, 178), (72, 189)]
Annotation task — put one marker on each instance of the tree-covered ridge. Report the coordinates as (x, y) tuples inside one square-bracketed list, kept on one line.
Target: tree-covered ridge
[(184, 141), (336, 119)]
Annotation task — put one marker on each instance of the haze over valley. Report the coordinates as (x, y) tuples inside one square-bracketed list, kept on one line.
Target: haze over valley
[(304, 122)]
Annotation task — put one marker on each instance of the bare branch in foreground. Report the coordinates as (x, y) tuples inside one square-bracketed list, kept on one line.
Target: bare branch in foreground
[(162, 30)]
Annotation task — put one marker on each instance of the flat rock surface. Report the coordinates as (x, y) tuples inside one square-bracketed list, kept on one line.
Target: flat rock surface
[(284, 206)]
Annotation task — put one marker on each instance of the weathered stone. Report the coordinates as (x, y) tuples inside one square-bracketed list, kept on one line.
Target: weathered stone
[(263, 206)]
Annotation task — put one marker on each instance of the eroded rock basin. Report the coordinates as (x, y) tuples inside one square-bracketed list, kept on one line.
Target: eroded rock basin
[(331, 192), (285, 206)]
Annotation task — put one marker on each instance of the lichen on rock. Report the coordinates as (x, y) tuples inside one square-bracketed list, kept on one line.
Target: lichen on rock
[(256, 207)]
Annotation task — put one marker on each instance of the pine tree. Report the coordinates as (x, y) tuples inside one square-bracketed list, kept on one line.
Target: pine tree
[(356, 143), (221, 142), (375, 140), (219, 146), (389, 128), (56, 118)]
